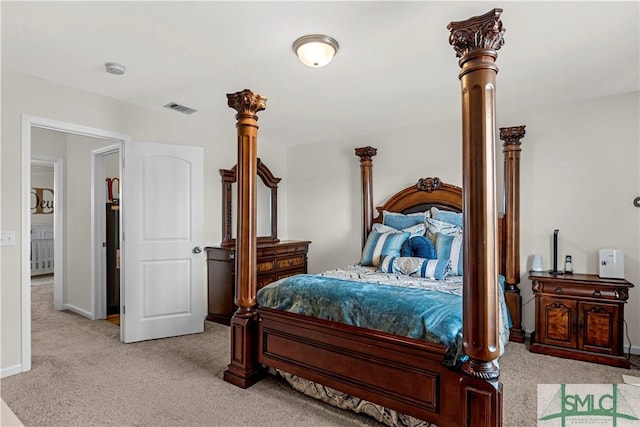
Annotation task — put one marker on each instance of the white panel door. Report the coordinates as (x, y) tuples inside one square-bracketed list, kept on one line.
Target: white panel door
[(162, 222)]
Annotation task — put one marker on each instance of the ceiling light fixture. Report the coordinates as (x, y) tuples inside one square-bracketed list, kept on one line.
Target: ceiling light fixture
[(114, 68), (315, 50)]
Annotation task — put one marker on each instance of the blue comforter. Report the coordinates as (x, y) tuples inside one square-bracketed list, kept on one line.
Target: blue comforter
[(423, 314)]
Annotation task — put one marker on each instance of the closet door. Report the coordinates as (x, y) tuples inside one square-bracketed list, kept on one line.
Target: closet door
[(162, 218)]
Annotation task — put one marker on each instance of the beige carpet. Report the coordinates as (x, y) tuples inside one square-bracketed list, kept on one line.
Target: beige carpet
[(83, 376)]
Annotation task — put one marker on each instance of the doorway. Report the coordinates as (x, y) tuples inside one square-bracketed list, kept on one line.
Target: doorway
[(106, 206), (83, 301), (162, 279), (46, 217)]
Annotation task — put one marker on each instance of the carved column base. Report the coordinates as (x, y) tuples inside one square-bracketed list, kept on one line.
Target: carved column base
[(481, 369), (243, 371)]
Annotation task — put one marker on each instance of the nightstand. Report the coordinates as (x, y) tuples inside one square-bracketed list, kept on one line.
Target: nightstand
[(580, 316)]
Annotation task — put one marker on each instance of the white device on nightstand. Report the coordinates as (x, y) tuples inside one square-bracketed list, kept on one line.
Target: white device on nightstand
[(611, 263)]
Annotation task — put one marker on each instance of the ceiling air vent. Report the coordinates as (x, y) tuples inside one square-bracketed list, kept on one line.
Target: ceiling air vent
[(181, 108)]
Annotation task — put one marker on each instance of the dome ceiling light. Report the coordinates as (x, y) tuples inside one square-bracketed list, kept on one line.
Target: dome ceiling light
[(315, 50)]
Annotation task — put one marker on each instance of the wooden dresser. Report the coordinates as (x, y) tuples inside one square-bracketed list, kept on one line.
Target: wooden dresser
[(580, 316), (274, 261)]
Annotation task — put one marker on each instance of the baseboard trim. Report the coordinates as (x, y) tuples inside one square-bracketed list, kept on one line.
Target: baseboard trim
[(78, 310), (635, 349), (11, 370)]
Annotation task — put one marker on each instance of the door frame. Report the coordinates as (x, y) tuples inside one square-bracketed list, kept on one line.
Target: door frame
[(29, 121)]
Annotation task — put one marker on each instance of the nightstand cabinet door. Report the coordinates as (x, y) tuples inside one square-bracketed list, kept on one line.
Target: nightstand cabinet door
[(598, 326), (558, 321)]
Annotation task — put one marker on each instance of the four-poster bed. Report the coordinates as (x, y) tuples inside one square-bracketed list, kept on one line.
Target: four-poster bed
[(404, 374)]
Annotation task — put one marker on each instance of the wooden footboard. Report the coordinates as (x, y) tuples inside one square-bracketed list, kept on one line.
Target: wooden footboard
[(399, 373)]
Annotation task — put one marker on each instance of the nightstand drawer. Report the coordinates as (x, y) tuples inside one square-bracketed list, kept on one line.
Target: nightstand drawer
[(583, 291)]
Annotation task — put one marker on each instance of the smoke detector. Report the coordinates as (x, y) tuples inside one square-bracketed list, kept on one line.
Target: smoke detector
[(114, 68)]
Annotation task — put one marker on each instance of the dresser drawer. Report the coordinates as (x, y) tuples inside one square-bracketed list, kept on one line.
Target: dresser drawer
[(265, 266), (291, 262), (283, 249)]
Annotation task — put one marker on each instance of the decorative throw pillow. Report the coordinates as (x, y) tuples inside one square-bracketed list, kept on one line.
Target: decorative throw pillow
[(415, 230), (451, 217), (414, 266), (435, 226), (419, 246), (400, 221), (382, 244), (449, 247)]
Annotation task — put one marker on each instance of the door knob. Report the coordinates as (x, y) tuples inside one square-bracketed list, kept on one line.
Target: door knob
[(197, 250), (636, 202)]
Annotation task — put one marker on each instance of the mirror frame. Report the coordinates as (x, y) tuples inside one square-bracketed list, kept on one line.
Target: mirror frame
[(228, 178)]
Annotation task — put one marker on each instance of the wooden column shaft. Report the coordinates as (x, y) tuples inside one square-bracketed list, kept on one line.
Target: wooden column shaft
[(511, 148), (366, 178), (246, 287), (480, 295), (511, 230)]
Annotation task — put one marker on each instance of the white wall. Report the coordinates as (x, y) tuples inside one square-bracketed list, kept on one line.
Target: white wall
[(22, 94), (579, 173)]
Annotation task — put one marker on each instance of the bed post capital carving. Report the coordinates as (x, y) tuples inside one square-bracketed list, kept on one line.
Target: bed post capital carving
[(429, 184), (246, 103), (366, 153), (511, 137), (484, 32)]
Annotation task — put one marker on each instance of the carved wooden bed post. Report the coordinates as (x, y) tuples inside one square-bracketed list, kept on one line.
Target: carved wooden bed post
[(511, 148), (476, 41), (243, 370), (366, 164)]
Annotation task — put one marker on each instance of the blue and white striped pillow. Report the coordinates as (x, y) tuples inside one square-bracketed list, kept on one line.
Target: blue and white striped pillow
[(449, 247), (437, 269), (380, 245)]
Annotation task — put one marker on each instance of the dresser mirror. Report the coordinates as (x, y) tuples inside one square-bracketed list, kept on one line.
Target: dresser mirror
[(266, 205)]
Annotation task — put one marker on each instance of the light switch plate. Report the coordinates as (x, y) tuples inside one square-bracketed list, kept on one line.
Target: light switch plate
[(8, 238)]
